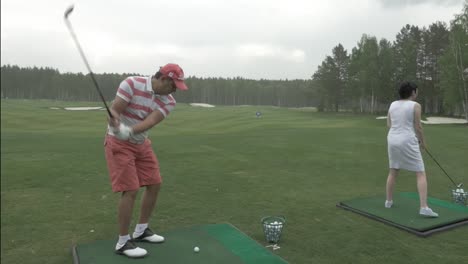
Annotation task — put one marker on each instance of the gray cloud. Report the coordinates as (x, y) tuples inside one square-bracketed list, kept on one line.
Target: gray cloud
[(209, 38), (405, 3)]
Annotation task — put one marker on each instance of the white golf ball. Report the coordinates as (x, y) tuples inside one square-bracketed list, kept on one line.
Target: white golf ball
[(196, 249)]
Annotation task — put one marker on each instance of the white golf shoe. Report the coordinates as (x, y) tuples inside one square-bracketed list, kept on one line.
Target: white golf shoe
[(428, 212), (130, 250), (388, 204), (148, 236)]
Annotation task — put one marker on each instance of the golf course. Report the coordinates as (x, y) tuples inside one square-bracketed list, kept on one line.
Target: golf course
[(220, 165)]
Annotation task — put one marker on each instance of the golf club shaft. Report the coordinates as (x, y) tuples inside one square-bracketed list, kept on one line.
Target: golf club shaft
[(441, 167), (72, 32)]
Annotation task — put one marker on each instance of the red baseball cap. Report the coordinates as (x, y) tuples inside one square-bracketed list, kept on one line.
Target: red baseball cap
[(176, 73)]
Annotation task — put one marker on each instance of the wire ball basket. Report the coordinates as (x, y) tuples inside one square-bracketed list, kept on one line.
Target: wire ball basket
[(273, 227), (459, 196)]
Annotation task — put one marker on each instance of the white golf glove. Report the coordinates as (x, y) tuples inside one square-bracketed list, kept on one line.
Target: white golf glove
[(123, 132)]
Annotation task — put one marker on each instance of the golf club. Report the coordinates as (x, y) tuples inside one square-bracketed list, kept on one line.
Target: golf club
[(72, 32), (459, 185)]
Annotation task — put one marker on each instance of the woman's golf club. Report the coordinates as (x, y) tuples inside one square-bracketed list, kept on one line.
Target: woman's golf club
[(72, 32), (459, 185)]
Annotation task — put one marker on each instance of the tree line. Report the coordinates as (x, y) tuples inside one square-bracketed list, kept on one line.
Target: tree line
[(367, 78), (48, 83), (363, 81)]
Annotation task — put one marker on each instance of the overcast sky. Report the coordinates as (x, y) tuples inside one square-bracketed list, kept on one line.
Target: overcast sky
[(268, 39)]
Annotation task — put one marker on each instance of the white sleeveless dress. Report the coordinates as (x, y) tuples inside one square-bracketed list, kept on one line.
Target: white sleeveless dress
[(403, 146)]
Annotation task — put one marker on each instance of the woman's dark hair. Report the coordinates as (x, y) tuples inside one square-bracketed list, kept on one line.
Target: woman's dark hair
[(406, 89)]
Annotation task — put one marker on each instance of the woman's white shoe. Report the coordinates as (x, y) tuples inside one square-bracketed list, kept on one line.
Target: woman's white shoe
[(388, 204), (428, 212)]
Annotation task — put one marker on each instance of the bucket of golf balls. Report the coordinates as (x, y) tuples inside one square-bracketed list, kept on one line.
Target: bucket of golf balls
[(459, 196), (272, 228)]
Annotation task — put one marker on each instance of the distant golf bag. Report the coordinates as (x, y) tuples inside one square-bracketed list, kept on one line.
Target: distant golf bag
[(272, 228)]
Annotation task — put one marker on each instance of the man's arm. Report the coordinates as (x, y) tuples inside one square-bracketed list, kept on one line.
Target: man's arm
[(117, 108), (150, 121)]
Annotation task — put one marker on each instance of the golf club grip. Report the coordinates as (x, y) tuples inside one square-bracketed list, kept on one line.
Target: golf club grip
[(77, 43)]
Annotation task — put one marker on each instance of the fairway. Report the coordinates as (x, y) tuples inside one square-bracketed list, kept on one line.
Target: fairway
[(220, 165)]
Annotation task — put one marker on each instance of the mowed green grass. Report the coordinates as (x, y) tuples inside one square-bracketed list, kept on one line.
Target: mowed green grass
[(219, 165)]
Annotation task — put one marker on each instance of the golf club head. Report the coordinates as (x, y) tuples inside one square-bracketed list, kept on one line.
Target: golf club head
[(68, 11), (460, 185)]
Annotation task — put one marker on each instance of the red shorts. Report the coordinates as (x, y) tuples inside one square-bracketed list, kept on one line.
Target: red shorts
[(131, 166)]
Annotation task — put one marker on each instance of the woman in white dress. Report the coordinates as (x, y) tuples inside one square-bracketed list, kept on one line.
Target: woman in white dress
[(405, 139)]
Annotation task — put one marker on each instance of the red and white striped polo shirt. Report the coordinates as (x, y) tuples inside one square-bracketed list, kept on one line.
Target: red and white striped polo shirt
[(142, 100)]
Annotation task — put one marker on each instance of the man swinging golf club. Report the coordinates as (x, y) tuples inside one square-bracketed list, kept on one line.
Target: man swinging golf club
[(140, 104)]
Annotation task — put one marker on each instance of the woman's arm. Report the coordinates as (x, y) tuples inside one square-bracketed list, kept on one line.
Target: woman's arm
[(389, 121), (417, 125)]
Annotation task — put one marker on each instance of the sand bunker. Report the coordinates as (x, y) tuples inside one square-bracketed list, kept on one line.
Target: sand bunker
[(83, 108), (437, 120), (444, 120), (202, 105), (305, 109)]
